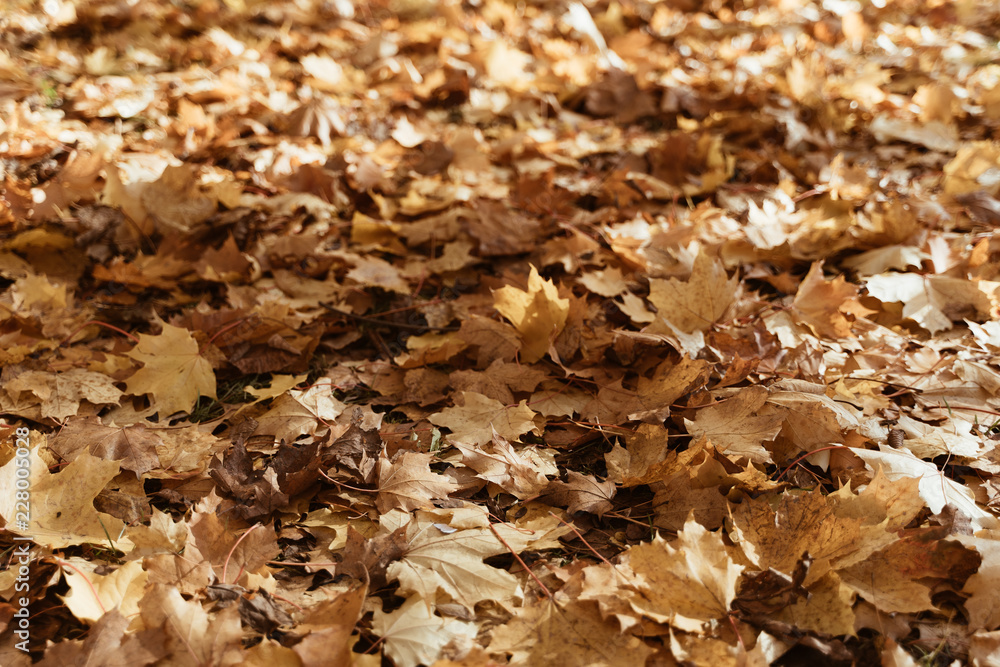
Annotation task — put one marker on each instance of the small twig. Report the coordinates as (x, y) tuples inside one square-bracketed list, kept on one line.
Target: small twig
[(286, 600), (225, 566), (372, 647), (228, 327), (739, 637), (577, 533), (619, 515), (527, 569), (391, 325), (98, 323), (90, 584), (346, 486), (807, 455), (288, 562)]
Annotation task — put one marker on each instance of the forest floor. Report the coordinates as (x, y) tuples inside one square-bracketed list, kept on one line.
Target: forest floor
[(486, 333)]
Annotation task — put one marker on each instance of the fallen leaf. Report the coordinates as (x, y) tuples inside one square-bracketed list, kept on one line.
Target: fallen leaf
[(476, 419), (414, 635), (686, 583), (408, 483), (92, 595), (933, 302), (582, 493), (739, 425), (133, 446), (538, 314), (62, 511), (555, 634), (694, 305), (174, 373)]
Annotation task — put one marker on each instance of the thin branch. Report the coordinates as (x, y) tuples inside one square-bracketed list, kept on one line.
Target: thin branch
[(225, 566)]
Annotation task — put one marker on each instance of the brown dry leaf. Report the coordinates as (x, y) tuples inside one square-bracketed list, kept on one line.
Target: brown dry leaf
[(190, 632), (936, 489), (821, 304), (92, 595), (570, 632), (62, 505), (295, 413), (108, 644), (670, 381), (61, 393), (492, 341), (612, 404), (538, 314), (374, 272), (414, 635), (828, 609), (161, 535), (557, 400), (367, 559), (230, 555), (982, 605), (444, 555), (933, 302), (257, 492), (331, 193), (644, 458), (184, 450), (686, 583), (740, 425), (582, 493), (408, 483), (972, 169), (499, 381), (501, 465), (175, 201), (813, 420), (270, 653), (607, 282), (475, 421), (174, 373), (694, 305), (895, 502), (133, 446), (680, 497), (779, 536), (329, 626), (900, 577)]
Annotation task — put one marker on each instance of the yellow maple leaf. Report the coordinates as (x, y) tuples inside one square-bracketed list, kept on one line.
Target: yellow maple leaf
[(173, 372), (538, 314)]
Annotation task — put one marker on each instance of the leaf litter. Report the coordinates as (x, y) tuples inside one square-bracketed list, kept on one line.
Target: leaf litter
[(485, 333)]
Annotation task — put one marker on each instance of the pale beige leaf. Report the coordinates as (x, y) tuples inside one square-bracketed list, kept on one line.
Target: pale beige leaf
[(694, 305), (739, 425), (474, 421), (408, 483), (414, 635), (685, 583)]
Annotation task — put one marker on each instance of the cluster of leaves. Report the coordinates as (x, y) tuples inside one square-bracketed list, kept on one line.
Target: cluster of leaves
[(456, 333)]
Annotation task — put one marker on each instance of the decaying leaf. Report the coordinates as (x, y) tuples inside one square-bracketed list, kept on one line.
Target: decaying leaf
[(485, 333)]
